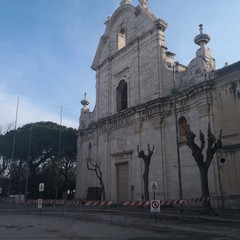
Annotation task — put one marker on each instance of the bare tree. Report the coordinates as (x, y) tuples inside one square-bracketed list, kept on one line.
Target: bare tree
[(94, 165), (147, 160), (6, 128), (203, 165), (4, 162)]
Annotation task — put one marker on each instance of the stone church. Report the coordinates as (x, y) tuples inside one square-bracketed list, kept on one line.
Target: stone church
[(143, 96)]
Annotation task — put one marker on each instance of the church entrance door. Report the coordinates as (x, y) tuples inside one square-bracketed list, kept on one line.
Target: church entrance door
[(122, 181)]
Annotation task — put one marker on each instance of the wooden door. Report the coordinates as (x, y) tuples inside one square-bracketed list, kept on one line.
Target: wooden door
[(122, 181)]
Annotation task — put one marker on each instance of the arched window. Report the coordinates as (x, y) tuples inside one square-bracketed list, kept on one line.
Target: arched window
[(122, 101), (121, 39), (182, 129)]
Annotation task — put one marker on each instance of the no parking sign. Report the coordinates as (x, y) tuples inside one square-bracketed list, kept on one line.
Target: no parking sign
[(155, 205)]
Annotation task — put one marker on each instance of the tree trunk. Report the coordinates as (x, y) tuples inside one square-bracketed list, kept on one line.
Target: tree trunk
[(103, 194), (205, 190), (102, 188), (145, 180), (204, 182)]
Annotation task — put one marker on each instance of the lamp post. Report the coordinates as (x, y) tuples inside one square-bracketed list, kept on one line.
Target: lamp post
[(59, 155), (177, 134), (29, 153), (13, 149)]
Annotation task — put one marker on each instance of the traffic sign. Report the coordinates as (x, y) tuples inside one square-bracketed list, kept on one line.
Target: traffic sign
[(41, 187), (154, 187), (155, 205)]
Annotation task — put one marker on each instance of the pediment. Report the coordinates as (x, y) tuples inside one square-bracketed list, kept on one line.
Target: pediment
[(136, 20)]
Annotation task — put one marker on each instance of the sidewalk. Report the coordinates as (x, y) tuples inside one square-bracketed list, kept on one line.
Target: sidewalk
[(173, 212), (118, 224)]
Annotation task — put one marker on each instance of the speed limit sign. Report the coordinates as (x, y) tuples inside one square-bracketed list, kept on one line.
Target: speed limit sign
[(155, 205)]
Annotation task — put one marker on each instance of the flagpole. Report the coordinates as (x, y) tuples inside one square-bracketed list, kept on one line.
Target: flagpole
[(59, 153), (177, 134), (28, 159), (13, 146)]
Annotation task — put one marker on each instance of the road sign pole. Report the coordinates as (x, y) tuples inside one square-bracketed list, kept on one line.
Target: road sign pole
[(41, 190), (155, 214), (154, 189)]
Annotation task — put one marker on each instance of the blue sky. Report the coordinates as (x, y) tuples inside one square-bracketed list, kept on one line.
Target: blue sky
[(47, 48)]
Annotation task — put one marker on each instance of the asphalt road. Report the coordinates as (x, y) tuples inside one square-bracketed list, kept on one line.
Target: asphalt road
[(80, 225)]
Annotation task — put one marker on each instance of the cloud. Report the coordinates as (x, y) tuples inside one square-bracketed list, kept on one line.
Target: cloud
[(30, 110)]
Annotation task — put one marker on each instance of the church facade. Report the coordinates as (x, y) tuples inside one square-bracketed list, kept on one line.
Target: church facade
[(144, 97)]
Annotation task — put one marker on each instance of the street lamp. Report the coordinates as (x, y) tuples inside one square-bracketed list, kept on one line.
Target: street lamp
[(13, 149), (177, 132), (59, 155), (29, 152)]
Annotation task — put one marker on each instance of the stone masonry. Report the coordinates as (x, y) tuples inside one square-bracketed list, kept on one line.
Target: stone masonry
[(135, 105)]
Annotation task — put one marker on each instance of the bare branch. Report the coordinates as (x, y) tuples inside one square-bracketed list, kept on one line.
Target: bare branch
[(150, 151), (6, 128), (202, 140), (153, 148), (213, 147), (147, 160), (211, 138), (138, 148), (99, 162), (96, 168), (196, 150), (219, 141), (89, 161)]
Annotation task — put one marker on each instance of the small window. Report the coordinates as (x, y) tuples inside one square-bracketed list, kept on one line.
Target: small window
[(122, 100), (182, 129), (121, 39)]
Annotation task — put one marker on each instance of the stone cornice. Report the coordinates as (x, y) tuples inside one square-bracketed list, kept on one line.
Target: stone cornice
[(232, 146), (128, 152), (118, 119), (160, 24), (117, 53)]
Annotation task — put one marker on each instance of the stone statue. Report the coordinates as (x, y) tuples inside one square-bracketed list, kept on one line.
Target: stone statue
[(125, 2), (143, 3)]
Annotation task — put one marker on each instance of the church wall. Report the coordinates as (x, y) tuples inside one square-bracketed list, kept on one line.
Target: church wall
[(79, 180), (102, 93), (123, 151), (226, 117), (152, 127), (229, 171), (143, 78), (194, 109), (146, 66), (85, 178), (148, 69)]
